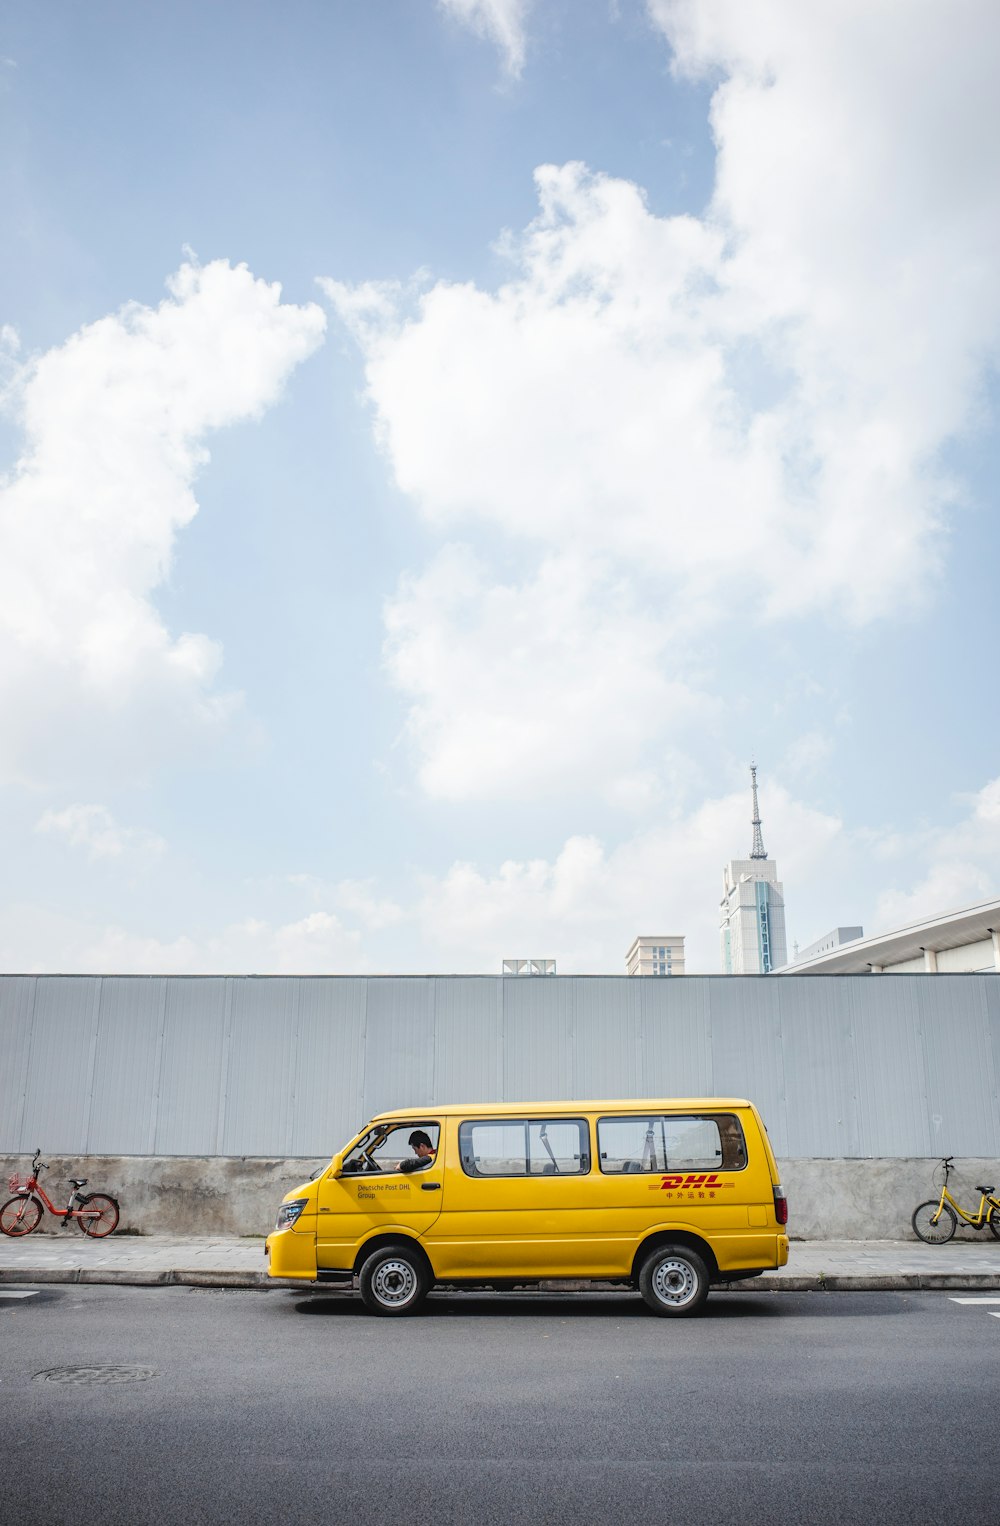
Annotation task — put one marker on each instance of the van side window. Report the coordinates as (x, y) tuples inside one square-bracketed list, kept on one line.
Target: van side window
[(712, 1142), (524, 1147)]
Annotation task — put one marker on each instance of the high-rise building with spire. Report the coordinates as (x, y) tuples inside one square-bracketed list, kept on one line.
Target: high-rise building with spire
[(752, 923)]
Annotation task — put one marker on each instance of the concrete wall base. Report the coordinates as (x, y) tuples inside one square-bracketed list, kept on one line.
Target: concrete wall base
[(178, 1194), (231, 1195), (875, 1199)]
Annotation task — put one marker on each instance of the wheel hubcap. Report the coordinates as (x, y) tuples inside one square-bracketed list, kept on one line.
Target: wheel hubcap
[(394, 1282), (674, 1282)]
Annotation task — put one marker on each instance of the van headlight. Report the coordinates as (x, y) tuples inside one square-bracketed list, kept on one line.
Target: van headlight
[(289, 1212)]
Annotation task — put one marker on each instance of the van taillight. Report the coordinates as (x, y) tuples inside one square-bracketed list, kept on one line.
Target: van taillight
[(780, 1205)]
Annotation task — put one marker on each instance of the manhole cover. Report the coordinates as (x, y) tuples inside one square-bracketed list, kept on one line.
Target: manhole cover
[(106, 1374)]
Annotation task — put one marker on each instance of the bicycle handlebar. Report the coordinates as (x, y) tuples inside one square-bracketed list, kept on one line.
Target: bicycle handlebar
[(38, 1164)]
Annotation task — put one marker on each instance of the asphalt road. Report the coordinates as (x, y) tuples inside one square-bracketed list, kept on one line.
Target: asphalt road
[(274, 1407)]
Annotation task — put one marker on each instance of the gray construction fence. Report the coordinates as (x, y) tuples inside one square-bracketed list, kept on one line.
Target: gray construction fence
[(200, 1101), (285, 1068)]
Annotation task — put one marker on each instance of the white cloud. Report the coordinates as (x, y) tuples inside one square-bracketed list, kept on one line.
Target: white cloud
[(317, 944), (739, 416), (114, 422), (806, 754), (359, 898), (499, 21), (361, 901), (585, 906), (582, 906), (507, 681), (959, 865), (93, 828)]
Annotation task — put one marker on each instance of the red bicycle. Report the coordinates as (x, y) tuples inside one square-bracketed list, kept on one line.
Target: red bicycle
[(97, 1214)]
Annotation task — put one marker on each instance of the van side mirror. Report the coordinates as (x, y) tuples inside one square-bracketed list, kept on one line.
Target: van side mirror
[(336, 1166)]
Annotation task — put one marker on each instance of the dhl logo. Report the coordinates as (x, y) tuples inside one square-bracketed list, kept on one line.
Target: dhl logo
[(691, 1180)]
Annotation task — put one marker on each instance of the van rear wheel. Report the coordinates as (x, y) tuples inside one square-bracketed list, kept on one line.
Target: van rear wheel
[(674, 1281), (394, 1280)]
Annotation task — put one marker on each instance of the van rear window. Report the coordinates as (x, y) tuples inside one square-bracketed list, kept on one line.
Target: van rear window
[(710, 1142), (524, 1147)]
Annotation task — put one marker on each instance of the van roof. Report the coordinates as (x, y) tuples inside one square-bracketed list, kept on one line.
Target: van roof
[(605, 1105)]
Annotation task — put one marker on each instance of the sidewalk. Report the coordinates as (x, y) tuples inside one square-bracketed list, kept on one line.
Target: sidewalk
[(160, 1260)]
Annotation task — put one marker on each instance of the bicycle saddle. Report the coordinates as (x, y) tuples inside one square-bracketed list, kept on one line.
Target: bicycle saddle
[(987, 1190), (82, 1182)]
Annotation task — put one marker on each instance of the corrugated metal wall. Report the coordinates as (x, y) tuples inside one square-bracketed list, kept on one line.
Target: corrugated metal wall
[(841, 1065)]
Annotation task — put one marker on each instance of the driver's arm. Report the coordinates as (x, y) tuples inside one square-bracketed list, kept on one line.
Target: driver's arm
[(419, 1163)]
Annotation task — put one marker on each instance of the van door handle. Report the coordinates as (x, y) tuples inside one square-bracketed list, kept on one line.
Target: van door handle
[(430, 1186)]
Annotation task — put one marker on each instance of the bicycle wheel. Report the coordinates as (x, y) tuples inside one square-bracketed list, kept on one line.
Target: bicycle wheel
[(994, 1221), (934, 1223), (101, 1215), (20, 1215)]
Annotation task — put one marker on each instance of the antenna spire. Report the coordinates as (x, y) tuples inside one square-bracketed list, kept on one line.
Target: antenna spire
[(758, 850)]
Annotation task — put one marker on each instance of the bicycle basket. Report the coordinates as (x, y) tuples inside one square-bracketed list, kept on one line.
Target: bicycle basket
[(17, 1183)]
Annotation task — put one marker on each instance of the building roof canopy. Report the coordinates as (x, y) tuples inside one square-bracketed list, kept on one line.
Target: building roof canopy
[(971, 924)]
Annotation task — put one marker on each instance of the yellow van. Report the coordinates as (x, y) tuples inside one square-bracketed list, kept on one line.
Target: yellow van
[(669, 1196)]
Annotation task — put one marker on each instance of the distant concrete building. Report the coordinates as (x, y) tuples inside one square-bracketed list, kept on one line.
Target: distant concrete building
[(528, 967), (954, 943), (752, 923), (836, 938), (656, 956)]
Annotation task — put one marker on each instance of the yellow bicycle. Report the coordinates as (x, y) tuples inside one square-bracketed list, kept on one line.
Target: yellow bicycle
[(936, 1222)]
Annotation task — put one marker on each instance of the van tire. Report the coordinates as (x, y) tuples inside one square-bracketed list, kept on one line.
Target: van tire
[(673, 1281), (394, 1280)]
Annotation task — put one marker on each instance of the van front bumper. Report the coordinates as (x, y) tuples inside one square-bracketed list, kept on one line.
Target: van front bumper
[(292, 1252)]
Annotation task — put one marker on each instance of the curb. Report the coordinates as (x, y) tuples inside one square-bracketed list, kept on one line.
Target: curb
[(890, 1282), (175, 1277), (877, 1282), (179, 1277)]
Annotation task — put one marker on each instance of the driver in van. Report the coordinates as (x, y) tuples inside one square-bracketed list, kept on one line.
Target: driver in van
[(420, 1144)]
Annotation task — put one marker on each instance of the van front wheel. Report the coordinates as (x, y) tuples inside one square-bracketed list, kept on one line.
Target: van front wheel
[(674, 1281), (394, 1280)]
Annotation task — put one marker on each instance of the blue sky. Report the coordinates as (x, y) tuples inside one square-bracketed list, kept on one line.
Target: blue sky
[(627, 410)]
